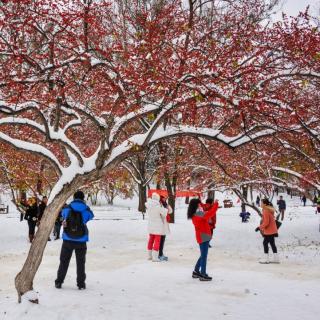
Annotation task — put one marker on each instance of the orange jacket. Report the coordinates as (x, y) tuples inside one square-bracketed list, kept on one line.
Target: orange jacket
[(268, 225)]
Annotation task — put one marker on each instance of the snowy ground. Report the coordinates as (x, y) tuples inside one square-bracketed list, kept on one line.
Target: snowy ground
[(122, 284)]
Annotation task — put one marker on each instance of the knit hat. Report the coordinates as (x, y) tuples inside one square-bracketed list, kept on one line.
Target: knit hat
[(78, 195)]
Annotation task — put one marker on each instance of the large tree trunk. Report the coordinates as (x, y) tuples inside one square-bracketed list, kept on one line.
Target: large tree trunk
[(24, 279), (211, 194), (187, 200), (245, 196), (142, 198), (141, 165), (171, 189)]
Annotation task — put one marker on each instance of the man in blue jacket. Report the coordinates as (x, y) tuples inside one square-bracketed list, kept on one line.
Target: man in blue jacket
[(75, 237)]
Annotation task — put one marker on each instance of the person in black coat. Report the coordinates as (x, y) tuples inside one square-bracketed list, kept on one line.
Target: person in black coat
[(304, 200), (41, 208), (32, 217), (58, 223)]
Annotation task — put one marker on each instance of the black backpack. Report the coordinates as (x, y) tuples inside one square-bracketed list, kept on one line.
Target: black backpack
[(75, 228)]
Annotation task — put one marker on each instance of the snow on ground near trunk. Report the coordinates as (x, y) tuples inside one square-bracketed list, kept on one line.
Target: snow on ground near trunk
[(122, 284)]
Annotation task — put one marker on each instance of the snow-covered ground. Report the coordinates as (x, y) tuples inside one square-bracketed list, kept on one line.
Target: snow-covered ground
[(122, 284)]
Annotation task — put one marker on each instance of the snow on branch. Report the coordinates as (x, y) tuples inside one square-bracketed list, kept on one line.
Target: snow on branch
[(297, 175), (142, 140), (289, 73), (23, 121), (73, 105), (36, 148), (121, 121), (212, 134), (48, 131), (131, 173)]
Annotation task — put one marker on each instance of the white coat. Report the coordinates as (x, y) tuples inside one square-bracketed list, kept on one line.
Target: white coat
[(156, 213)]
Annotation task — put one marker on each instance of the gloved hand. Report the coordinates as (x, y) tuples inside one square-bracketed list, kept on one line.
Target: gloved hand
[(257, 229)]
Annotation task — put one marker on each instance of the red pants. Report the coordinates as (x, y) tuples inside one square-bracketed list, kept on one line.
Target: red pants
[(154, 242)]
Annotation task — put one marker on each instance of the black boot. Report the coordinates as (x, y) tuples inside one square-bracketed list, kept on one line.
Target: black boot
[(205, 277), (196, 275), (82, 286)]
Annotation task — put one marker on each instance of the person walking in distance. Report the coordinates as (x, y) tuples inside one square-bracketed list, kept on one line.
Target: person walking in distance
[(269, 231), (75, 237), (200, 220), (31, 216), (156, 226), (58, 224), (282, 207), (304, 200), (258, 201), (41, 208)]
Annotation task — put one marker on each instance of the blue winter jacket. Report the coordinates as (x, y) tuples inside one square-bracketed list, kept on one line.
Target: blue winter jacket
[(87, 215)]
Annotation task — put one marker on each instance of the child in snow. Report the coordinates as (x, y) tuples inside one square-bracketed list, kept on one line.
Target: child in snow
[(244, 216), (269, 231), (200, 220), (156, 226)]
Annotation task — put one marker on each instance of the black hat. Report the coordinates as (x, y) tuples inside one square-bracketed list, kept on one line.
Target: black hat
[(78, 195)]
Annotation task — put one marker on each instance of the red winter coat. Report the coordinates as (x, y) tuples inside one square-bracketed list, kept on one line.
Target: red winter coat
[(201, 223), (213, 219)]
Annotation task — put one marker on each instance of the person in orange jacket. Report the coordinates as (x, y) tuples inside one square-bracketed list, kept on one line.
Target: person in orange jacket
[(269, 231), (200, 220)]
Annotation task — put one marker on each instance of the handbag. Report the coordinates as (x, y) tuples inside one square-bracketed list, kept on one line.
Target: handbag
[(278, 224)]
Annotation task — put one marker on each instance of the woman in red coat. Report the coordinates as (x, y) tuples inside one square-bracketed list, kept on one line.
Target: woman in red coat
[(200, 220)]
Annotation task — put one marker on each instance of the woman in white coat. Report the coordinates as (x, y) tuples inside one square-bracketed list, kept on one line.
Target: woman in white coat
[(157, 225)]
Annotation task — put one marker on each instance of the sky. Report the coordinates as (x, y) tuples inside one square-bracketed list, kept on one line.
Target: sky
[(292, 7)]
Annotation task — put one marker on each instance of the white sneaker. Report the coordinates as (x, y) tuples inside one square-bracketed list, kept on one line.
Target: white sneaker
[(265, 260), (149, 254), (275, 259), (155, 256)]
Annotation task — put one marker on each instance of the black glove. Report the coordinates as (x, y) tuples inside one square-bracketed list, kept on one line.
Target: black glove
[(257, 229)]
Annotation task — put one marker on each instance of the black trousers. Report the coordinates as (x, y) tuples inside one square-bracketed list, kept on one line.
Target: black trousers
[(80, 249), (269, 239), (162, 241), (32, 227), (56, 230)]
